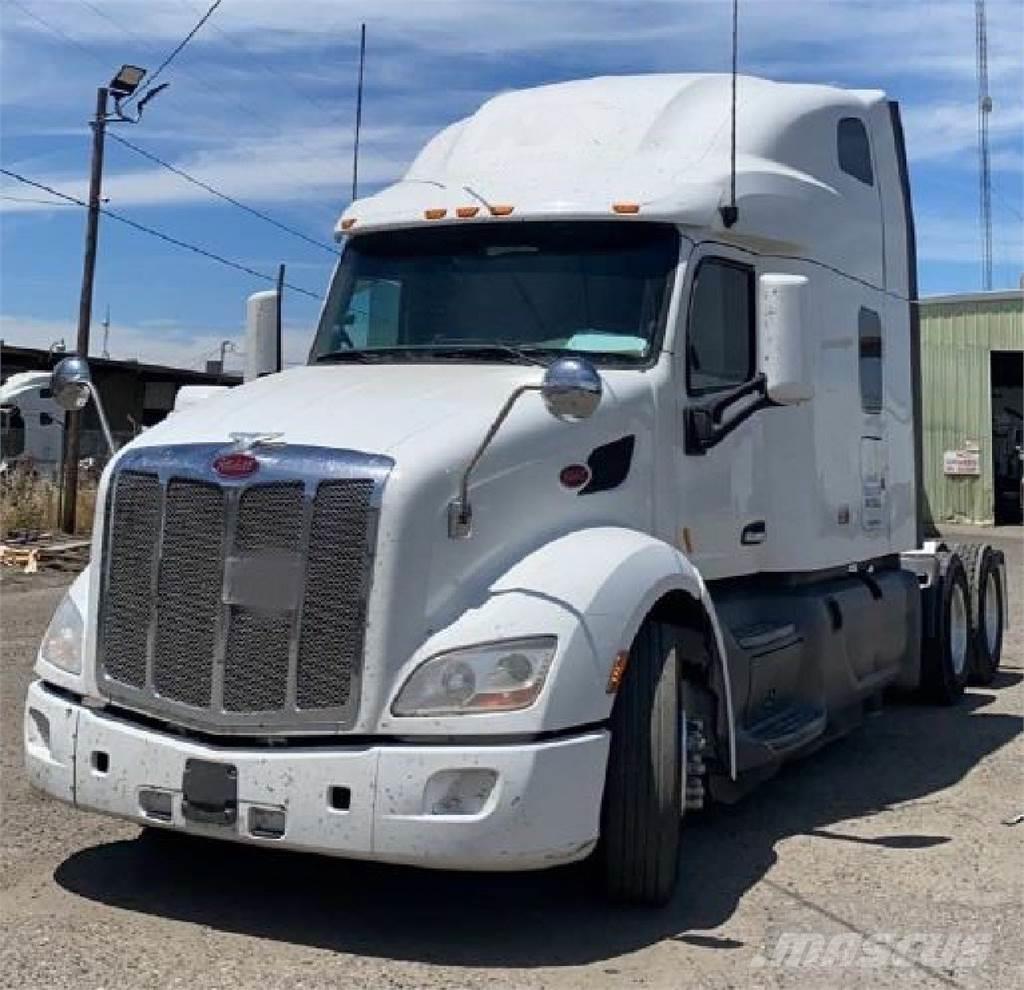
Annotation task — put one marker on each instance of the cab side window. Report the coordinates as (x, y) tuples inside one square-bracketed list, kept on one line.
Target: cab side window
[(854, 150), (869, 333), (720, 334)]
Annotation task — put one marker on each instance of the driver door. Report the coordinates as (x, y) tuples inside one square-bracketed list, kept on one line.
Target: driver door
[(721, 522)]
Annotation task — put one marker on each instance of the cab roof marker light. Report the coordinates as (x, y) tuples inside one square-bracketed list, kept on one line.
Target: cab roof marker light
[(438, 213), (465, 212), (348, 223), (626, 207), (500, 211)]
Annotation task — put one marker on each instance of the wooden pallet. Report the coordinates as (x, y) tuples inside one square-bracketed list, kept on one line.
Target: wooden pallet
[(31, 556)]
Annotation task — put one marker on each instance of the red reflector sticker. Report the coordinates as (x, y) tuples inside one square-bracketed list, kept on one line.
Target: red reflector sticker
[(574, 475), (239, 465)]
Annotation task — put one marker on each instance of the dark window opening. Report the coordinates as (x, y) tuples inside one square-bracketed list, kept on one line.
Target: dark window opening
[(720, 336), (12, 432), (869, 332), (855, 150)]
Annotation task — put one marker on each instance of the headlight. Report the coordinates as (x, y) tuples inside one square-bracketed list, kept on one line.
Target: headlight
[(496, 677), (62, 642)]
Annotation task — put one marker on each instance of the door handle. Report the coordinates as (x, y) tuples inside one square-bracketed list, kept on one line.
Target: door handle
[(754, 533)]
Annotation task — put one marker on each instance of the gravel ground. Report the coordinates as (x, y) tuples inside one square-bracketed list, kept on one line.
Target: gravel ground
[(895, 831)]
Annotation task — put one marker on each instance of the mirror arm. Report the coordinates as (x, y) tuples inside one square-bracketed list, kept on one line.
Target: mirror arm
[(704, 427), (460, 512), (101, 413)]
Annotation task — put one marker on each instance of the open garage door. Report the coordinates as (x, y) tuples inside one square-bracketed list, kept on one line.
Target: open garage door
[(1007, 435)]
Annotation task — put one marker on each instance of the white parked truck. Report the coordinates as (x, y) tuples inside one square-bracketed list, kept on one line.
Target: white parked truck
[(596, 500)]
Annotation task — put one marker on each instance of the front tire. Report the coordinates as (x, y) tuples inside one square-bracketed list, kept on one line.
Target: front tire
[(642, 809)]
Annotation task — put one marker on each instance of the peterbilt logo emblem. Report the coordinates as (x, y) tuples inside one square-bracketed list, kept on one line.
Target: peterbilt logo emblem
[(239, 461)]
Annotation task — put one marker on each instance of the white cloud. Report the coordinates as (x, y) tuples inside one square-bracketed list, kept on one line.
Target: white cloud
[(956, 238), (310, 163), (151, 341), (943, 131)]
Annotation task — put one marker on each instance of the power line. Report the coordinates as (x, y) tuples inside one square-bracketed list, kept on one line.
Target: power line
[(160, 234), (248, 110), (53, 29), (174, 54), (220, 195), (28, 199), (306, 97)]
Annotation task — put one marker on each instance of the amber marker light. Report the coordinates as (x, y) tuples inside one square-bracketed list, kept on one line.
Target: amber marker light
[(618, 670), (438, 213), (348, 224), (465, 212), (626, 207), (500, 211)]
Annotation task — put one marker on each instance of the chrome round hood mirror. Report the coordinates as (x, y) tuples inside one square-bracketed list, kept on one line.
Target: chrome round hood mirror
[(71, 383), (571, 389)]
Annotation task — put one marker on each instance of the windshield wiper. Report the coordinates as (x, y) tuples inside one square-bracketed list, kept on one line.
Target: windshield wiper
[(349, 355), (485, 350), (454, 350)]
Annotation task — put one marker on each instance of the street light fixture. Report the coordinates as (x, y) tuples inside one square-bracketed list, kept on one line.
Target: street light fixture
[(126, 81)]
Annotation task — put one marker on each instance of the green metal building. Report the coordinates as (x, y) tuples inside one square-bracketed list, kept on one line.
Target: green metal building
[(972, 364)]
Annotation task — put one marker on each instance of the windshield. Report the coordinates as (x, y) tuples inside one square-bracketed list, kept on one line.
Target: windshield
[(502, 290)]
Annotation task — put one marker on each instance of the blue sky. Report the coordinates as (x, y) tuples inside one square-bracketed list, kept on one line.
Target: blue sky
[(262, 103)]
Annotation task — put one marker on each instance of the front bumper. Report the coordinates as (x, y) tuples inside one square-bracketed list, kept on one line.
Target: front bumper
[(465, 807)]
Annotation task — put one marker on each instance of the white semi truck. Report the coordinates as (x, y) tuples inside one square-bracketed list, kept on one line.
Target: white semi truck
[(597, 500)]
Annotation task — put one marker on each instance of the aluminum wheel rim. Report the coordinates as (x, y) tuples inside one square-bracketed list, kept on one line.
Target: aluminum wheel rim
[(958, 630), (991, 613)]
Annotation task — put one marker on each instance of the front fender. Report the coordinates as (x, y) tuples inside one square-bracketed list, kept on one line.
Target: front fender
[(592, 589)]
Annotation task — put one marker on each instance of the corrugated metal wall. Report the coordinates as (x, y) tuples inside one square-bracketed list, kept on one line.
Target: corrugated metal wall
[(957, 337)]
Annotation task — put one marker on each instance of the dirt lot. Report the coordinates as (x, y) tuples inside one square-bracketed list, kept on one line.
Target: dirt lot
[(896, 832)]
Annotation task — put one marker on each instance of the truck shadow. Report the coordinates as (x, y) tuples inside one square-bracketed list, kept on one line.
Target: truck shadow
[(553, 918)]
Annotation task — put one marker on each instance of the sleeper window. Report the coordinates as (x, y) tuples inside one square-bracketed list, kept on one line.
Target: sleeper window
[(869, 331), (720, 336), (854, 150)]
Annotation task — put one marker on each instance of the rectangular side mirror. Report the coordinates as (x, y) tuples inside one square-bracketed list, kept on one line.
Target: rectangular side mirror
[(780, 338)]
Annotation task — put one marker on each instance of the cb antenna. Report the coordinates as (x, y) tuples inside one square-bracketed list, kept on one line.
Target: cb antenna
[(359, 110), (731, 213)]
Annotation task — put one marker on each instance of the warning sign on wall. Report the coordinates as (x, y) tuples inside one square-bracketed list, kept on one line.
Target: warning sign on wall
[(961, 462)]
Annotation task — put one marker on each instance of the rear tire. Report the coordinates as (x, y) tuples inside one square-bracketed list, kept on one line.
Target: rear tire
[(984, 582), (642, 810), (988, 644), (947, 655)]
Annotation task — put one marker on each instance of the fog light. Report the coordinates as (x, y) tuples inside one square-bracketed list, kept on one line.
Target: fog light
[(458, 792), (157, 804), (266, 823), (38, 730)]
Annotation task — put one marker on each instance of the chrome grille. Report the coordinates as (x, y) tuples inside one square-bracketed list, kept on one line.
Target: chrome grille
[(191, 575), (129, 565), (334, 613), (232, 605)]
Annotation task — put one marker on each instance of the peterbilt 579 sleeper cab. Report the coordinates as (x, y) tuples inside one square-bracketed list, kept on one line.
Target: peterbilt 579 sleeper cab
[(595, 501)]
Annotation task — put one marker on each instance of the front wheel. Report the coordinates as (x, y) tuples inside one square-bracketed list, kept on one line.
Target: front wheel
[(642, 809)]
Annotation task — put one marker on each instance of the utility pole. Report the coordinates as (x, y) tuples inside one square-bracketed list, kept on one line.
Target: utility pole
[(92, 229), (123, 85), (106, 333)]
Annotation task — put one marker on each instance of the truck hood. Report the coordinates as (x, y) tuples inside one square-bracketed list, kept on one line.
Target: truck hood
[(372, 408)]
